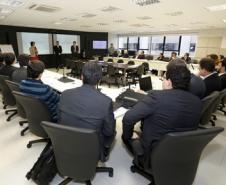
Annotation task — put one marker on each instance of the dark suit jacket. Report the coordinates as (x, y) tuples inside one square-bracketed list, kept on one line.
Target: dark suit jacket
[(57, 50), (223, 81), (7, 70), (163, 112), (74, 50), (197, 86), (212, 83), (86, 107)]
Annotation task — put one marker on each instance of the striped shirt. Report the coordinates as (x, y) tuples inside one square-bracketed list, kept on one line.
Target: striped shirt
[(44, 93)]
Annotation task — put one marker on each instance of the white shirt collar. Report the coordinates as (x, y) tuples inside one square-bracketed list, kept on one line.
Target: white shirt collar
[(209, 75)]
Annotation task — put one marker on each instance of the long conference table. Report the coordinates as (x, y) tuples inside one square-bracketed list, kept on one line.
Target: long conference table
[(153, 64)]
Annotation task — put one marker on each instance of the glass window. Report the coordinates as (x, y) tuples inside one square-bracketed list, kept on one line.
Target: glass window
[(133, 43), (172, 43), (144, 43), (122, 43), (157, 45)]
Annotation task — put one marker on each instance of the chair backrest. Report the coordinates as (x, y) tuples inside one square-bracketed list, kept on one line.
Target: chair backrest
[(110, 60), (175, 158), (15, 87), (36, 112), (8, 97), (140, 71), (149, 57), (120, 61), (219, 99), (146, 66), (131, 62), (111, 70), (145, 83), (77, 153), (208, 107)]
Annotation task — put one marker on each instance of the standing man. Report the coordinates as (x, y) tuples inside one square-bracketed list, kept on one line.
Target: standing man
[(111, 50), (58, 51), (74, 49)]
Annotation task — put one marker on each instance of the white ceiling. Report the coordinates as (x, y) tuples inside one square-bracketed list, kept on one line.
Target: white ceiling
[(194, 16)]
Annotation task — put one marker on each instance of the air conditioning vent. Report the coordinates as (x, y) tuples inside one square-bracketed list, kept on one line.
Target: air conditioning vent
[(110, 9), (178, 13), (120, 21), (102, 24), (146, 2), (144, 18), (88, 15), (44, 8)]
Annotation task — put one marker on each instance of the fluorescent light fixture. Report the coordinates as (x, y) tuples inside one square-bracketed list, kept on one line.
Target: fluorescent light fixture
[(12, 3), (57, 23), (216, 8), (2, 17), (5, 11), (224, 20)]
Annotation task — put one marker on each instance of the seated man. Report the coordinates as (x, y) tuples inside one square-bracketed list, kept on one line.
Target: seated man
[(141, 55), (86, 107), (186, 58), (161, 57), (34, 86), (222, 73), (8, 69), (173, 109), (210, 76), (21, 73), (197, 86)]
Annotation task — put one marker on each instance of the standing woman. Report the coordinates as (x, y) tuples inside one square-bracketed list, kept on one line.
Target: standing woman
[(33, 52)]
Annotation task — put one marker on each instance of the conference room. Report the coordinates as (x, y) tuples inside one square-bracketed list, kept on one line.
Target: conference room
[(112, 92)]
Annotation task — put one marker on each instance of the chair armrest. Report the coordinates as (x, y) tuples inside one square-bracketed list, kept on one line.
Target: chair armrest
[(137, 147)]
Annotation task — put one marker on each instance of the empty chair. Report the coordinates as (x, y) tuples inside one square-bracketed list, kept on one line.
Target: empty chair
[(110, 60), (36, 112), (208, 108), (112, 76), (133, 77), (131, 62), (175, 158), (73, 160), (146, 67), (149, 57), (20, 110), (8, 98)]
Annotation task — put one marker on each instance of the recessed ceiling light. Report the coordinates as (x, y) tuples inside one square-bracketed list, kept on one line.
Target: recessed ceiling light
[(224, 20), (5, 11), (216, 8), (68, 19), (144, 18), (13, 3), (110, 9), (177, 13), (58, 23)]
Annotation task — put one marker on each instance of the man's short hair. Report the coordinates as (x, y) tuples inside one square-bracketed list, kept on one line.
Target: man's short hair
[(179, 74), (208, 64), (214, 57), (223, 63), (23, 59), (2, 58), (91, 73), (9, 58), (35, 68)]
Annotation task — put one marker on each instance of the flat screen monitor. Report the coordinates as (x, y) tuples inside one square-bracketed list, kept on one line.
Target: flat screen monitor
[(145, 83), (98, 44), (131, 53)]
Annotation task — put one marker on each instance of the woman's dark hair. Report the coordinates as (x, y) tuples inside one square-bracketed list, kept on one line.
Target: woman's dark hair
[(35, 68), (91, 73), (208, 64), (179, 74), (9, 58)]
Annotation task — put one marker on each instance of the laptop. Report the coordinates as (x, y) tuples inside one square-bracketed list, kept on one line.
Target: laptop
[(145, 84)]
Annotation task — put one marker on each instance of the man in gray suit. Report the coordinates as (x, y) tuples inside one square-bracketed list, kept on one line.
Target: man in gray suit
[(86, 107)]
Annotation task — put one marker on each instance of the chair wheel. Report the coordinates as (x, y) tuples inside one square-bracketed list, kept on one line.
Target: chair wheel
[(22, 134), (21, 124), (132, 169), (28, 145), (8, 119), (6, 113)]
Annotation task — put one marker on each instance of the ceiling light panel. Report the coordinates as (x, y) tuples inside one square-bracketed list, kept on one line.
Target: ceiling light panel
[(12, 3), (177, 13), (224, 20), (145, 2), (110, 9), (144, 18), (216, 8), (5, 11), (68, 19), (102, 24), (88, 15)]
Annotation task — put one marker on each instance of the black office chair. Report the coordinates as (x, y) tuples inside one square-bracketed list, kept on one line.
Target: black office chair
[(217, 104), (134, 76), (20, 110), (222, 98), (110, 60), (208, 108), (77, 154), (131, 62), (36, 112), (113, 77), (8, 98), (149, 57), (175, 158), (120, 61), (146, 67)]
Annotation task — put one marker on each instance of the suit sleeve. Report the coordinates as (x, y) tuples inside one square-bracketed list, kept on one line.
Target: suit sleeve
[(141, 110), (72, 49), (109, 122)]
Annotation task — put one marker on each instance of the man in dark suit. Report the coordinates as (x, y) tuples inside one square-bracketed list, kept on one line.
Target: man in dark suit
[(74, 49), (58, 51), (197, 86), (222, 73), (173, 109), (86, 107), (210, 76), (8, 68)]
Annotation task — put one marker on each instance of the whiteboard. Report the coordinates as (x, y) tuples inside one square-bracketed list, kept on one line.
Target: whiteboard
[(6, 48)]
